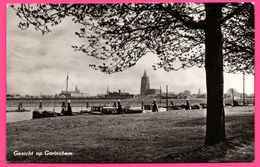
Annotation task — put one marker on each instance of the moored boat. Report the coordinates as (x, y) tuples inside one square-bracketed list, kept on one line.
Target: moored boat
[(134, 110), (109, 110), (96, 110), (87, 110), (20, 108), (40, 113), (44, 114)]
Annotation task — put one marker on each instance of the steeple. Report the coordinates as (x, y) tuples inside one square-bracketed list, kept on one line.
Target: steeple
[(145, 84), (107, 90), (145, 75)]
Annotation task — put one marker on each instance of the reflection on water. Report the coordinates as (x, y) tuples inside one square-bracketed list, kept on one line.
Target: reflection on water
[(21, 116), (18, 116)]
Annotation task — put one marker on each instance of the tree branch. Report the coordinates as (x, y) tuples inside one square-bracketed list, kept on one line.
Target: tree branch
[(230, 15), (186, 22)]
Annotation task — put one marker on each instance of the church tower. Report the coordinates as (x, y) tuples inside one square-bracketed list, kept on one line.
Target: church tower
[(145, 84)]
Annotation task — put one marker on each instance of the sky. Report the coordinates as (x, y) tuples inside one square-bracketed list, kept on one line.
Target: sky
[(39, 64)]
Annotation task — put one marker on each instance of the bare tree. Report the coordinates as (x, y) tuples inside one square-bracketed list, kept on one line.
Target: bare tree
[(217, 36)]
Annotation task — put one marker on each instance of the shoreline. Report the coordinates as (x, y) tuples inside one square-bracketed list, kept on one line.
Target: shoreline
[(150, 137)]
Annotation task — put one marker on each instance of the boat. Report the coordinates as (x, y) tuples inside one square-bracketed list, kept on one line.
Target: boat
[(20, 108), (134, 110), (162, 109), (96, 110), (40, 113), (109, 110), (66, 109), (44, 114), (87, 110), (203, 105)]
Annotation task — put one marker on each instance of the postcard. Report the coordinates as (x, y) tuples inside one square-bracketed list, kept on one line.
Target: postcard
[(161, 82)]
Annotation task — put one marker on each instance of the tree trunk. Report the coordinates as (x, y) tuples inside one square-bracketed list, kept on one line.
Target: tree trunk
[(215, 126)]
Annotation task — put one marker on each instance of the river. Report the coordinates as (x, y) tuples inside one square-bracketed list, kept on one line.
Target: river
[(80, 104), (21, 116)]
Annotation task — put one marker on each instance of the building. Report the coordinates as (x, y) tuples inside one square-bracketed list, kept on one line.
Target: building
[(153, 91), (145, 86), (118, 95), (73, 94)]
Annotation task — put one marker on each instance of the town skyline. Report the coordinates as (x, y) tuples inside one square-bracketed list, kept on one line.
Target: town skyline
[(111, 88)]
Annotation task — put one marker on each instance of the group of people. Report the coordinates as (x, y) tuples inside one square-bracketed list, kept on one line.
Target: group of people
[(119, 107)]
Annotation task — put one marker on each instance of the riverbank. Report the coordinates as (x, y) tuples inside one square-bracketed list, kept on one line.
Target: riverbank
[(173, 136)]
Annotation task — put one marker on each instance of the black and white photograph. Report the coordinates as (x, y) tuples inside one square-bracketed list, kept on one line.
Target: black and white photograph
[(130, 83)]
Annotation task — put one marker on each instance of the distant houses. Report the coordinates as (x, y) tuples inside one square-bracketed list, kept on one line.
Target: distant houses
[(145, 91), (73, 94), (118, 95)]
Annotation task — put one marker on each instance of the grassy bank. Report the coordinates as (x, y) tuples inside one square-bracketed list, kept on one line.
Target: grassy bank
[(173, 136)]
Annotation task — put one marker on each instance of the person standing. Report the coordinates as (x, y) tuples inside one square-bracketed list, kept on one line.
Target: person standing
[(69, 111), (114, 104), (119, 108), (187, 104), (20, 106), (142, 107), (40, 105), (87, 105), (63, 107), (154, 108)]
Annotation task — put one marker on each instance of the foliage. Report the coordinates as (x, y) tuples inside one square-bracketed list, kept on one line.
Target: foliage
[(232, 93), (184, 94), (120, 34)]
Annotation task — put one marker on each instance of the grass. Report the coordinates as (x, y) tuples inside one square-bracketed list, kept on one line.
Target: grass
[(173, 136)]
